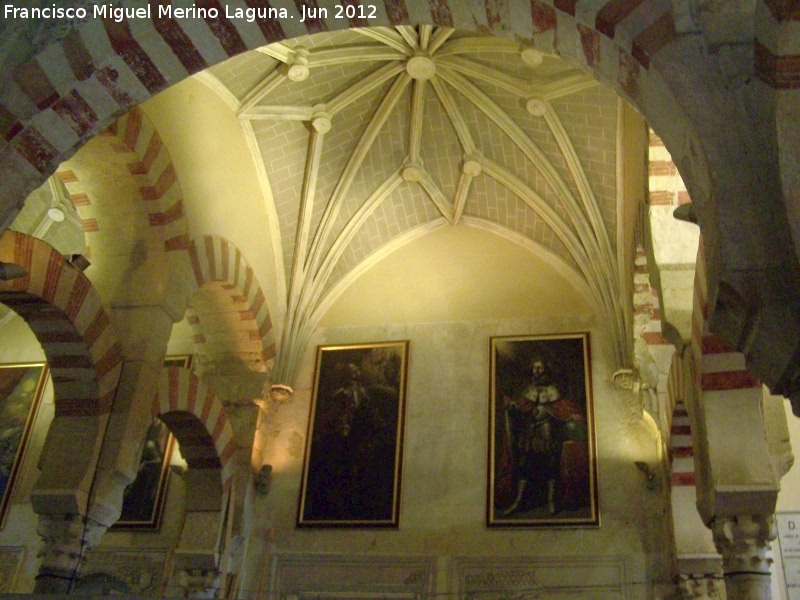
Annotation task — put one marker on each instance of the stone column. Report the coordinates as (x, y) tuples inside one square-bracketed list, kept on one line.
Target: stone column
[(743, 541), (67, 539), (197, 558)]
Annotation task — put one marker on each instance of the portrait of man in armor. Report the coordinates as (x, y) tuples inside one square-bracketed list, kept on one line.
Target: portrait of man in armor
[(542, 469)]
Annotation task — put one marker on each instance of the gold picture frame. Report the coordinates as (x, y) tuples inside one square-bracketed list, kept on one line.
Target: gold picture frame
[(21, 387), (542, 455), (354, 447)]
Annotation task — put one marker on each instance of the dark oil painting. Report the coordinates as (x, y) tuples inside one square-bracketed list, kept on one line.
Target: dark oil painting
[(352, 468), (143, 500)]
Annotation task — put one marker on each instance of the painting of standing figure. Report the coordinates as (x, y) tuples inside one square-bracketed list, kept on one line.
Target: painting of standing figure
[(542, 463), (144, 498), (354, 447)]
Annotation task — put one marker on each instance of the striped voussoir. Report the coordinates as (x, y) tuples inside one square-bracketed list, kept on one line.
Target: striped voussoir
[(777, 51), (82, 202), (198, 421), (718, 368), (646, 304), (216, 259), (680, 442), (665, 186), (65, 313), (163, 195), (648, 326)]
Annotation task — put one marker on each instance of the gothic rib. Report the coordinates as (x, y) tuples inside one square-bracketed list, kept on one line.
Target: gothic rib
[(417, 120), (388, 36)]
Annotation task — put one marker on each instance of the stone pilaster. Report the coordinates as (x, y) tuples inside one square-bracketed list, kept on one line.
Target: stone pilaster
[(743, 541), (67, 538)]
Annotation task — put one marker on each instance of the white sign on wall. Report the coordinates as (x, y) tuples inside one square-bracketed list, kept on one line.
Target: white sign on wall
[(789, 542)]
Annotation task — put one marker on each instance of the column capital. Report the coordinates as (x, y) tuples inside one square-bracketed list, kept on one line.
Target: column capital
[(743, 541), (703, 587), (66, 537), (199, 583)]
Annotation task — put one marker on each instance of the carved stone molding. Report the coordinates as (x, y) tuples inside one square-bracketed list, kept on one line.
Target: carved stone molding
[(743, 541), (199, 583), (701, 588), (320, 575), (539, 579), (140, 570)]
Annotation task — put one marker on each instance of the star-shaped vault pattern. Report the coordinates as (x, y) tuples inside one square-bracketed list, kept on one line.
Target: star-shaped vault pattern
[(371, 137)]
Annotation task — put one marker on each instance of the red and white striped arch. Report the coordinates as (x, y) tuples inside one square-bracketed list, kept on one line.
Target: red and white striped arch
[(734, 474), (215, 259), (198, 421), (673, 405), (65, 313), (163, 195)]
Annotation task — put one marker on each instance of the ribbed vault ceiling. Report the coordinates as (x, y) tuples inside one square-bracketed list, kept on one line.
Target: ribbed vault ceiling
[(368, 136)]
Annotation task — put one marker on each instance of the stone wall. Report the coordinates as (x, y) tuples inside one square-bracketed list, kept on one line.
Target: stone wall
[(444, 487)]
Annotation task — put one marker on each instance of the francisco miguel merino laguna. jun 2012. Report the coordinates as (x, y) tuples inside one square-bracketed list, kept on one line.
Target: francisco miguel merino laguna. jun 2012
[(120, 13)]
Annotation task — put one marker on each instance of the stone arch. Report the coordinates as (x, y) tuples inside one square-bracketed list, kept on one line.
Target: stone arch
[(65, 313), (198, 420), (216, 260), (200, 423), (139, 265), (137, 134)]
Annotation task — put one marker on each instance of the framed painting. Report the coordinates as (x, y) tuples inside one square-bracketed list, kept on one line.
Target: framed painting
[(21, 387), (184, 360), (542, 456), (143, 500), (352, 468)]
